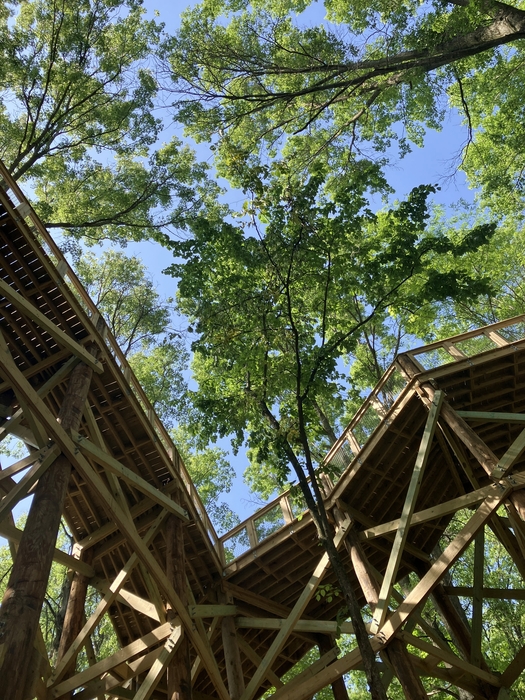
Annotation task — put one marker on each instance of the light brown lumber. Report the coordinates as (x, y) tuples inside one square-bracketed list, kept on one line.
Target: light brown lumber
[(295, 614), (160, 664), (107, 682), (433, 513), (491, 416), (271, 623), (450, 658), (62, 338), (454, 550), (394, 560), (114, 466), (113, 509), (256, 660), (20, 491), (179, 668), (102, 607), (477, 598), (22, 603), (132, 600), (92, 672), (497, 593), (197, 611)]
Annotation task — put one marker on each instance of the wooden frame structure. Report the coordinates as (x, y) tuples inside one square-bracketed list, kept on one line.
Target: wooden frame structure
[(206, 617)]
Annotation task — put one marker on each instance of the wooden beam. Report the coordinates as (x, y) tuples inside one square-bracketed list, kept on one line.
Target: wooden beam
[(102, 607), (108, 462), (62, 338), (271, 623), (454, 550), (111, 662), (392, 568), (477, 598), (295, 615), (450, 658), (20, 491), (470, 499), (256, 660), (95, 481), (198, 611), (497, 593), (160, 664), (514, 669), (491, 416), (133, 601)]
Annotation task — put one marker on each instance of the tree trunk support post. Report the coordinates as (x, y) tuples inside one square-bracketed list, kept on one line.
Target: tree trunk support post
[(395, 652), (24, 596), (326, 643), (179, 668), (232, 655)]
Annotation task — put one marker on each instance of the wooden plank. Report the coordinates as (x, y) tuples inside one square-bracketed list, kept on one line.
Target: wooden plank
[(497, 593), (141, 605), (19, 466), (295, 614), (20, 491), (27, 308), (256, 660), (109, 663), (272, 623), (423, 516), (129, 669), (107, 461), (13, 534), (160, 664), (103, 606), (117, 514), (450, 658), (454, 550), (491, 416), (197, 611), (394, 561), (508, 460), (514, 669), (477, 598)]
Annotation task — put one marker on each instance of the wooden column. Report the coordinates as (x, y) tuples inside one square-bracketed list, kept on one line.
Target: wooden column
[(179, 668), (395, 652), (232, 655), (326, 643), (24, 596), (75, 615)]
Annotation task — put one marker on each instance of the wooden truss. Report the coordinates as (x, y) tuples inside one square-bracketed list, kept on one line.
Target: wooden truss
[(193, 615)]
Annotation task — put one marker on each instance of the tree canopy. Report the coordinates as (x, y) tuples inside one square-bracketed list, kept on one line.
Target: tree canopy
[(78, 118)]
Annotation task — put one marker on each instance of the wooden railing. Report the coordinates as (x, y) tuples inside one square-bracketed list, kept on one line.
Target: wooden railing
[(25, 211), (281, 511)]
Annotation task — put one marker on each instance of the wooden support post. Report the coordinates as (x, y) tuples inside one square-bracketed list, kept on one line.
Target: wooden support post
[(232, 657), (406, 515), (179, 667), (396, 652), (326, 644), (24, 596), (74, 617), (477, 599)]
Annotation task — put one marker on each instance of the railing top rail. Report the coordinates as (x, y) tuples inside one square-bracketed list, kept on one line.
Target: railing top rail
[(467, 335)]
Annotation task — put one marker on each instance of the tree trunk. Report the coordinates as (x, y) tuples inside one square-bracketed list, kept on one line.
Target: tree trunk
[(74, 617), (395, 652), (24, 596), (326, 643)]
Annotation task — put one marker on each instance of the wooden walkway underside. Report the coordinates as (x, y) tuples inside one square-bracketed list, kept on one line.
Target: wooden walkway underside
[(443, 439)]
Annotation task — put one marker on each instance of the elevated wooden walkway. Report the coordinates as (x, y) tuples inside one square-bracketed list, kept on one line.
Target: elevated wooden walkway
[(442, 432)]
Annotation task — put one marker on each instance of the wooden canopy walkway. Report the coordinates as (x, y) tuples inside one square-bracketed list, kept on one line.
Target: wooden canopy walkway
[(443, 432)]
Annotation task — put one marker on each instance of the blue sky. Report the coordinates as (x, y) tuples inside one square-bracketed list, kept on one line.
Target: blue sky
[(436, 163)]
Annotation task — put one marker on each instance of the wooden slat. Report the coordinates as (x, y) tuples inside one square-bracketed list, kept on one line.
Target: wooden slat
[(406, 515), (109, 462)]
